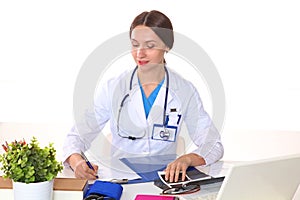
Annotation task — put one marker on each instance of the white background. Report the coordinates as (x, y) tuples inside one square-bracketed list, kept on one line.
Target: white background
[(255, 46)]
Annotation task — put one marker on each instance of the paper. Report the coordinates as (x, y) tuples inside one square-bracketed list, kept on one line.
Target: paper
[(114, 169)]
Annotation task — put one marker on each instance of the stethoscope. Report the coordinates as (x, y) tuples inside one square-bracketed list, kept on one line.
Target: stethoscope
[(164, 134)]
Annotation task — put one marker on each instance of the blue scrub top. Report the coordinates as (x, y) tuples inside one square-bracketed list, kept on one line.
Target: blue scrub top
[(148, 102)]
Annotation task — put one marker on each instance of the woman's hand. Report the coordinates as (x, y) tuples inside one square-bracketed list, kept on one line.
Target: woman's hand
[(180, 165), (81, 169)]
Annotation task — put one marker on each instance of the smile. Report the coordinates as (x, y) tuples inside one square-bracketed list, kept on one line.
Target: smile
[(140, 62)]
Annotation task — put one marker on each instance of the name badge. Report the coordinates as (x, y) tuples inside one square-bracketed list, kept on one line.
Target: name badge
[(167, 133)]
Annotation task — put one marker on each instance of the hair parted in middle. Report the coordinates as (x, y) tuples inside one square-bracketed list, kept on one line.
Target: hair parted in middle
[(158, 22)]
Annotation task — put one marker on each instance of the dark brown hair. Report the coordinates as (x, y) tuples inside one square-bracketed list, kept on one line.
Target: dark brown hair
[(158, 22)]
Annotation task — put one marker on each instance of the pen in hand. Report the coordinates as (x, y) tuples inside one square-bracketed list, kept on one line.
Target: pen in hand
[(88, 162)]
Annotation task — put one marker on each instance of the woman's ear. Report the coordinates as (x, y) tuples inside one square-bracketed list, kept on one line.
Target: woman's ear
[(167, 49)]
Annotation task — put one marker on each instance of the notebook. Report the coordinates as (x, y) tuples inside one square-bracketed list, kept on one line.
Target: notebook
[(274, 179)]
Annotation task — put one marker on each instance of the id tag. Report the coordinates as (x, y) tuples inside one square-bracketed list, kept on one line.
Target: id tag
[(165, 134)]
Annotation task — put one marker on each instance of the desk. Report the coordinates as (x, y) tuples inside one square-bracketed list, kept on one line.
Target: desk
[(131, 190)]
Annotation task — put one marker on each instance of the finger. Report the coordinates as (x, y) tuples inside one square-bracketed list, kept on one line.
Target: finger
[(77, 174), (80, 174), (83, 171), (170, 171), (90, 173), (167, 173), (86, 174), (177, 172), (94, 173), (183, 175), (171, 174), (95, 168)]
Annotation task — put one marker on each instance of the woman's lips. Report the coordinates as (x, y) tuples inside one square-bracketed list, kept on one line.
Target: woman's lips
[(141, 62)]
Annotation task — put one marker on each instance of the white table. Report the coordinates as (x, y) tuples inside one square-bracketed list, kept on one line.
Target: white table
[(131, 190)]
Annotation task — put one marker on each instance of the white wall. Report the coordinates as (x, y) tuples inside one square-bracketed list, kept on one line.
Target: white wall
[(255, 46)]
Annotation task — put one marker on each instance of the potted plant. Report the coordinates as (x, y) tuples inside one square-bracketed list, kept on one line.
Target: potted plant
[(30, 166)]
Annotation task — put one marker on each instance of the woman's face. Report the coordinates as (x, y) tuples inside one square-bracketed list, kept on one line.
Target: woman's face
[(147, 48)]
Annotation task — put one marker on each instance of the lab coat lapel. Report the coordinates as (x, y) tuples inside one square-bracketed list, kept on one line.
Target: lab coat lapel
[(173, 86), (137, 105), (156, 112)]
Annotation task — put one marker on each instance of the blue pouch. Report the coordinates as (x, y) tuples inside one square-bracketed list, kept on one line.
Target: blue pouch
[(107, 189)]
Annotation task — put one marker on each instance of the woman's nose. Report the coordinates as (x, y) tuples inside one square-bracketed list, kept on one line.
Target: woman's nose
[(141, 52)]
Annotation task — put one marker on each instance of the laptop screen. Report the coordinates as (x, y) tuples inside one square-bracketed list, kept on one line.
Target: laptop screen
[(275, 178)]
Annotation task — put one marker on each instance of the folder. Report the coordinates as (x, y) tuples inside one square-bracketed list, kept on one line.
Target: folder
[(148, 166)]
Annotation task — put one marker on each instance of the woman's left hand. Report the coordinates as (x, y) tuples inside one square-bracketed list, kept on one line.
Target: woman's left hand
[(180, 165)]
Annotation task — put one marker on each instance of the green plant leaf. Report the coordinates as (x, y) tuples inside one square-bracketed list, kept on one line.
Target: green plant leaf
[(29, 163)]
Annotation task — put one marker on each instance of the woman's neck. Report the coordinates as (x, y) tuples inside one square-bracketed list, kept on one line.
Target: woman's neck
[(154, 75), (149, 79)]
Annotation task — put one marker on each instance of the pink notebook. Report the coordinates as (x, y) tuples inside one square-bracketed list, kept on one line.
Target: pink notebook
[(154, 197)]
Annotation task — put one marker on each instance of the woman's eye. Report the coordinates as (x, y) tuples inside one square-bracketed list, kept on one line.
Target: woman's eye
[(150, 46)]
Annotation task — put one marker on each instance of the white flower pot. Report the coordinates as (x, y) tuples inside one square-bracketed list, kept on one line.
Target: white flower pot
[(33, 191)]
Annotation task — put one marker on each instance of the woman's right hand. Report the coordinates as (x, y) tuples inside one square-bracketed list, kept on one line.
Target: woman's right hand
[(81, 169)]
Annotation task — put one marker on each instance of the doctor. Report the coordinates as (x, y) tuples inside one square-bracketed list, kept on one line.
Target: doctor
[(147, 107)]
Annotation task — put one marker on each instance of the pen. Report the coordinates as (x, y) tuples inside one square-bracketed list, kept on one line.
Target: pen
[(88, 162)]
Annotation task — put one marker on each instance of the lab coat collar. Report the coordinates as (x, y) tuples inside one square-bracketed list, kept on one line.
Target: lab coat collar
[(160, 99), (173, 85), (136, 97)]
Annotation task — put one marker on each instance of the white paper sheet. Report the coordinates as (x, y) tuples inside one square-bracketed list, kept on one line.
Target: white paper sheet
[(114, 169)]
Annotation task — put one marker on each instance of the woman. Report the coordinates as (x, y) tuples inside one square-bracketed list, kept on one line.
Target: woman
[(147, 106)]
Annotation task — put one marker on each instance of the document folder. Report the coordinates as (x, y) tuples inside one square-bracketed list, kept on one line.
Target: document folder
[(147, 167)]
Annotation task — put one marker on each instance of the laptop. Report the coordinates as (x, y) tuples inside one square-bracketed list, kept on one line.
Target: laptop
[(270, 179)]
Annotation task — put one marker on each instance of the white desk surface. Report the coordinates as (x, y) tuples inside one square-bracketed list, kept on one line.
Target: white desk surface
[(131, 190)]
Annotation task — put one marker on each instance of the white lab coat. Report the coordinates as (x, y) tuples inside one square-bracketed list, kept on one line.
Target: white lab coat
[(182, 96)]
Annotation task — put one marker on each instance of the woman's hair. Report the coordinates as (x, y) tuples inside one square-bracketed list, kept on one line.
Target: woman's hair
[(158, 22)]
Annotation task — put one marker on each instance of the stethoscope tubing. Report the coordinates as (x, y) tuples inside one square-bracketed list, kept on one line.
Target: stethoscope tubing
[(127, 95)]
